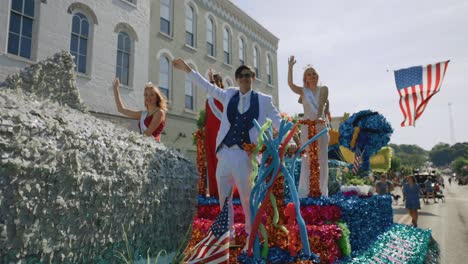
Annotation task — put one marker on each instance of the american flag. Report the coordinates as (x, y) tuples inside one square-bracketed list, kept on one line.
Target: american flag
[(357, 161), (416, 86), (214, 248)]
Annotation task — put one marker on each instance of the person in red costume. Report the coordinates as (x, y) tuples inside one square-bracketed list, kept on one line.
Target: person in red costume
[(153, 120), (214, 111)]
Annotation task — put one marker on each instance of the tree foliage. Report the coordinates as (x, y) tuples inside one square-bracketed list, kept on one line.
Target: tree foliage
[(460, 166), (443, 154), (408, 156)]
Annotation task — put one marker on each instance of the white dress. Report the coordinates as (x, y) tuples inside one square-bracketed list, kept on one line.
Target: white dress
[(310, 104)]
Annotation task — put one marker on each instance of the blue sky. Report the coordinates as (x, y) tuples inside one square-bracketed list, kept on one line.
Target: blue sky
[(356, 45)]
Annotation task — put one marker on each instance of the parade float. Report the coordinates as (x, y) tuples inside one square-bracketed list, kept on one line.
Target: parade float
[(78, 189), (350, 226), (71, 191)]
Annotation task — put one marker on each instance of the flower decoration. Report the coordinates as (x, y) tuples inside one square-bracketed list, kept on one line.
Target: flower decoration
[(367, 131)]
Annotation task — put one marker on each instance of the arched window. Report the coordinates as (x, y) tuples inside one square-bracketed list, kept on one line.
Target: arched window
[(227, 46), (124, 49), (21, 28), (164, 76), (165, 16), (269, 69), (210, 37), (189, 26), (241, 51), (256, 60), (79, 41), (189, 98)]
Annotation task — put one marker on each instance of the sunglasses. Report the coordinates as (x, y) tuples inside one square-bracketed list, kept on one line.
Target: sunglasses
[(244, 75)]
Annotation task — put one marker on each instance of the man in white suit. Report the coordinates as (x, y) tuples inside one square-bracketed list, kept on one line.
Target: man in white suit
[(242, 105)]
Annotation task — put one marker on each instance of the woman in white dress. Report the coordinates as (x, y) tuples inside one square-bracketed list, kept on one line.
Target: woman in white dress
[(314, 100)]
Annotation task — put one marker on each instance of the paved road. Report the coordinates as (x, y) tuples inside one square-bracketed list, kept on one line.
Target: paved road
[(448, 222)]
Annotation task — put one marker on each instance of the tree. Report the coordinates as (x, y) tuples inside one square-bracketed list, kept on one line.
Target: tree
[(396, 163), (410, 156), (443, 154), (440, 155), (459, 166)]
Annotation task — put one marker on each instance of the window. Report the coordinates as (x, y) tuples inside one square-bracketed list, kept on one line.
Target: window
[(79, 41), (123, 58), (255, 59), (241, 51), (164, 76), (210, 37), (227, 46), (188, 93), (165, 17), (189, 26), (269, 69), (21, 28)]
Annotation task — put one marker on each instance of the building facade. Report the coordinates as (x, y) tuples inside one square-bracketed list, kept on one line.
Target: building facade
[(136, 41)]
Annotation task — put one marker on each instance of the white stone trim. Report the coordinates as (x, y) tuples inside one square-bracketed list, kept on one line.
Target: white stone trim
[(125, 27), (166, 52), (218, 7), (75, 7)]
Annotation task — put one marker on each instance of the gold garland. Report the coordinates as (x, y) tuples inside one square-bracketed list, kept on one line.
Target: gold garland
[(312, 151), (201, 160)]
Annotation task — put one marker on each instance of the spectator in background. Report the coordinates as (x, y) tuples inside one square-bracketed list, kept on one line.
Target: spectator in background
[(383, 186), (429, 190), (411, 191)]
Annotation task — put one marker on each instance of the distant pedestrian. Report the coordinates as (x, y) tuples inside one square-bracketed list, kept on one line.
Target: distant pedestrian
[(411, 191), (383, 186), (450, 181), (429, 190)]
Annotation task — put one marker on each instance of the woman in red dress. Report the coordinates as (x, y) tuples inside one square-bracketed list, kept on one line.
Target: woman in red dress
[(214, 111), (153, 120)]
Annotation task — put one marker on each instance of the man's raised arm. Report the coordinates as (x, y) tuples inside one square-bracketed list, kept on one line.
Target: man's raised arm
[(199, 81)]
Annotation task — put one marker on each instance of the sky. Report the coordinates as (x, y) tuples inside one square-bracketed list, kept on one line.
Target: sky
[(356, 45)]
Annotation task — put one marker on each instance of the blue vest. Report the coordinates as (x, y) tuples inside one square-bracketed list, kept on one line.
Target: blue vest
[(238, 134)]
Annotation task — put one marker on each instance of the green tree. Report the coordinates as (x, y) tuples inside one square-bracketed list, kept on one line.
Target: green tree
[(410, 156), (459, 166), (440, 154), (396, 164), (443, 154)]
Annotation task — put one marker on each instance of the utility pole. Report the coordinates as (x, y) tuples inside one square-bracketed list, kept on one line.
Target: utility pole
[(452, 129)]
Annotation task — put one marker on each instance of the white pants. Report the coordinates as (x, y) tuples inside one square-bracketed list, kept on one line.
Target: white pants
[(304, 179), (234, 167)]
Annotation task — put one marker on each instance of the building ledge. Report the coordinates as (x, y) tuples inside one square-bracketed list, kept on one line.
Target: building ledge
[(83, 75), (129, 4), (211, 57), (166, 36), (20, 59), (190, 48), (229, 66)]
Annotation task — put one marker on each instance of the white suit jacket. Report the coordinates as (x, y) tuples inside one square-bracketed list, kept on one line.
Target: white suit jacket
[(265, 107)]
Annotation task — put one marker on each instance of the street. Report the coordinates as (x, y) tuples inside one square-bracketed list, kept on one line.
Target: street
[(448, 222)]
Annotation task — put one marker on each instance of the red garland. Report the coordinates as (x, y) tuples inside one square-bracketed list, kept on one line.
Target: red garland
[(201, 160), (312, 151)]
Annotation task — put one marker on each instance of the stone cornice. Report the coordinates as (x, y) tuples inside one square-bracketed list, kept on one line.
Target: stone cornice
[(242, 22)]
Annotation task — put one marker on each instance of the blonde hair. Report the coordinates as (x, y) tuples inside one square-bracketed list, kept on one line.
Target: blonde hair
[(308, 68), (161, 101)]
